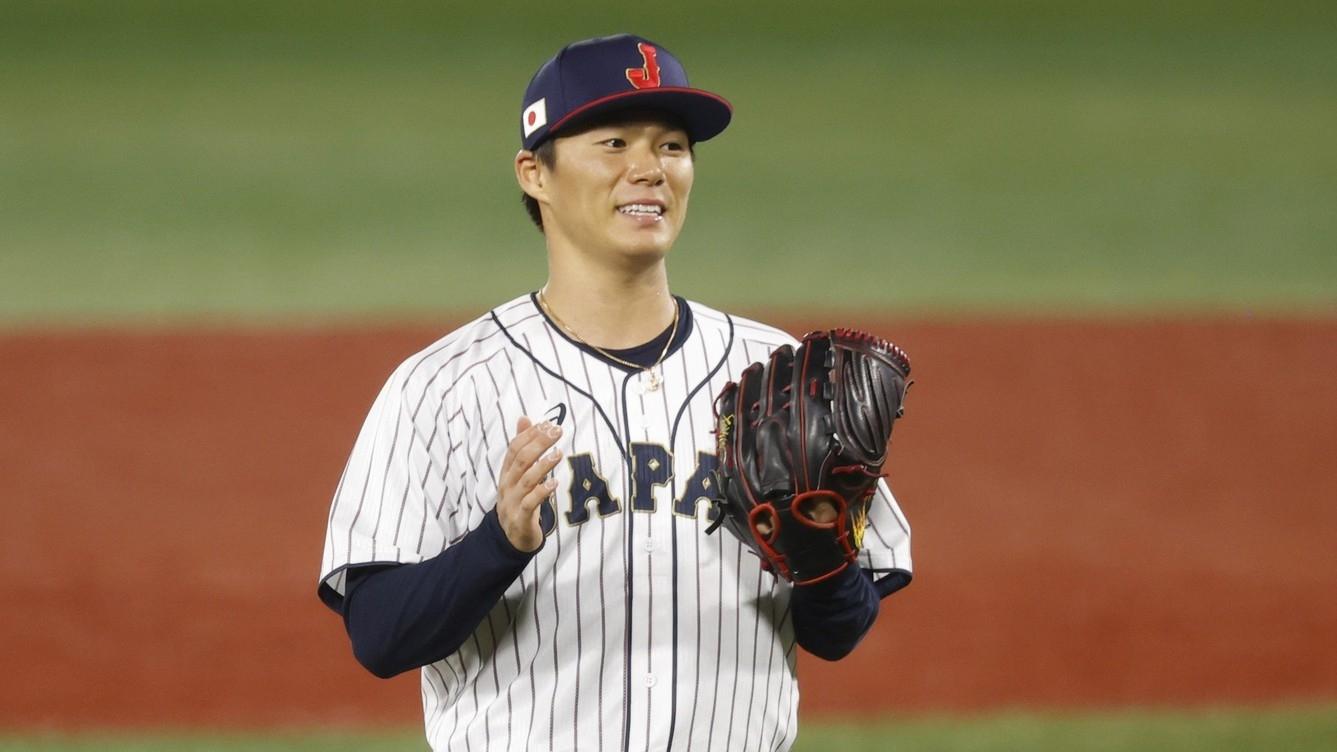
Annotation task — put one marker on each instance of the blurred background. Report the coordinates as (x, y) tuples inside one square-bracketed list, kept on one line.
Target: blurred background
[(1105, 232), (261, 159)]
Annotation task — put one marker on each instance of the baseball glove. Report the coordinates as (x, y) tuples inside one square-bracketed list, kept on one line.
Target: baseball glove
[(810, 426)]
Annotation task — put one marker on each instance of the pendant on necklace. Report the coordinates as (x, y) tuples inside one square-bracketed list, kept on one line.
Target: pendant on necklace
[(652, 384)]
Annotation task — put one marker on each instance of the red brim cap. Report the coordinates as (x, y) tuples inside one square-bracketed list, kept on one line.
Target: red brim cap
[(703, 114)]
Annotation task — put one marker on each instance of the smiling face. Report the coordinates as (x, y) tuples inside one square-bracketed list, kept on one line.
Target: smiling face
[(617, 190)]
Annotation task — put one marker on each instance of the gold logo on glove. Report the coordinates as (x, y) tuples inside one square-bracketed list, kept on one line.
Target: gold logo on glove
[(722, 434), (858, 523)]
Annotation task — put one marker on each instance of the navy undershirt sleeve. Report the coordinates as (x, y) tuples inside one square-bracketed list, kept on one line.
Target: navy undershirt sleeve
[(406, 616), (409, 615), (832, 616)]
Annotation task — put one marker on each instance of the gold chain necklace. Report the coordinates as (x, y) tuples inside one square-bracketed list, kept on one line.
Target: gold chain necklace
[(653, 378)]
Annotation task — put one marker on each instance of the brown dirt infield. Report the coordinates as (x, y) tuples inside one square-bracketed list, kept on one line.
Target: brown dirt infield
[(1105, 513)]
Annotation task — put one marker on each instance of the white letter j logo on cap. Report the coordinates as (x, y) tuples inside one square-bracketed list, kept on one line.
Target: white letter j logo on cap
[(535, 116)]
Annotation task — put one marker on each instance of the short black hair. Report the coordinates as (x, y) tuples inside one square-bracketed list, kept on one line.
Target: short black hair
[(546, 152)]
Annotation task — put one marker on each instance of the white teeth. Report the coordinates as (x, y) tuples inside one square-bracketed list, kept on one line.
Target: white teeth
[(641, 210)]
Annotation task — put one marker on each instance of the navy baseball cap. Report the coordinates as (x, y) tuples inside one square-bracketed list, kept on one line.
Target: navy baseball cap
[(612, 73)]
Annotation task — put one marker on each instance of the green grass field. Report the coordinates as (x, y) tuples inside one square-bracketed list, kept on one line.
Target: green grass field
[(1294, 730), (256, 160)]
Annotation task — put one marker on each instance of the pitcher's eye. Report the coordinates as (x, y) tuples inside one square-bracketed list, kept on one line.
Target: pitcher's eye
[(616, 143)]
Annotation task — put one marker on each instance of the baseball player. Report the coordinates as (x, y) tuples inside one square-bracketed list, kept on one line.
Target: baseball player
[(523, 516)]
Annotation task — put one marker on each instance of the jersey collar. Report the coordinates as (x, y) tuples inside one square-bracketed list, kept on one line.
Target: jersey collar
[(644, 354)]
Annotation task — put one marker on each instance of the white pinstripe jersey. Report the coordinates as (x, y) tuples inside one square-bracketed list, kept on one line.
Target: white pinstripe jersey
[(630, 629)]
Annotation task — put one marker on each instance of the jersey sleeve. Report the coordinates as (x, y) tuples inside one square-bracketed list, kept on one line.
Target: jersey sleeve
[(886, 541), (393, 502)]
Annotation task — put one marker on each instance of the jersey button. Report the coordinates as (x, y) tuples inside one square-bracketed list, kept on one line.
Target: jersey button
[(649, 545), (650, 680)]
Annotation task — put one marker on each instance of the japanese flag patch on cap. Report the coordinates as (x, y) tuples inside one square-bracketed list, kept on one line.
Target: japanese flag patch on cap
[(535, 116)]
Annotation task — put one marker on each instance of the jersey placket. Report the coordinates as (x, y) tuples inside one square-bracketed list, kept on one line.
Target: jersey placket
[(649, 487)]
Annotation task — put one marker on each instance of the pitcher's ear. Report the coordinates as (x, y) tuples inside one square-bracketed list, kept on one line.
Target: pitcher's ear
[(529, 174)]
